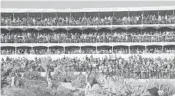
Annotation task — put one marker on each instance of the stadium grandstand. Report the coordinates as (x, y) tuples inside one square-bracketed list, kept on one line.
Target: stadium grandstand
[(135, 30), (106, 33), (92, 48)]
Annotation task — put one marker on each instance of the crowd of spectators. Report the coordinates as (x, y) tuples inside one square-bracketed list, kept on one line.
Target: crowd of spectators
[(89, 50), (92, 20), (61, 37), (134, 66), (7, 51)]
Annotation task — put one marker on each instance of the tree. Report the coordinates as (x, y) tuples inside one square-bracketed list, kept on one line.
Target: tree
[(46, 64)]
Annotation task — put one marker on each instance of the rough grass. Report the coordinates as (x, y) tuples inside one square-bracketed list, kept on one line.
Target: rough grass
[(134, 87), (118, 86)]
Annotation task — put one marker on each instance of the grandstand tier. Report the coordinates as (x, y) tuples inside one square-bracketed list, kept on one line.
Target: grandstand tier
[(83, 56), (94, 16), (88, 31)]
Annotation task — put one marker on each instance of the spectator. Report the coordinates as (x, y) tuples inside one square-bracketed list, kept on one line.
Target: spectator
[(134, 66), (32, 37), (71, 21)]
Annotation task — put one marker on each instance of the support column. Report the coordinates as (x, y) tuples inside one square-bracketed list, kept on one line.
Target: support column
[(141, 36), (96, 34), (96, 49), (15, 50), (80, 36), (56, 18), (48, 51), (128, 17), (96, 39), (41, 15), (158, 17), (112, 17), (80, 50), (112, 42), (98, 15), (156, 35), (142, 17), (67, 34), (70, 14), (31, 51), (64, 50), (112, 49), (27, 19), (12, 18), (37, 36), (56, 15), (85, 16), (13, 15), (41, 18), (173, 15)]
